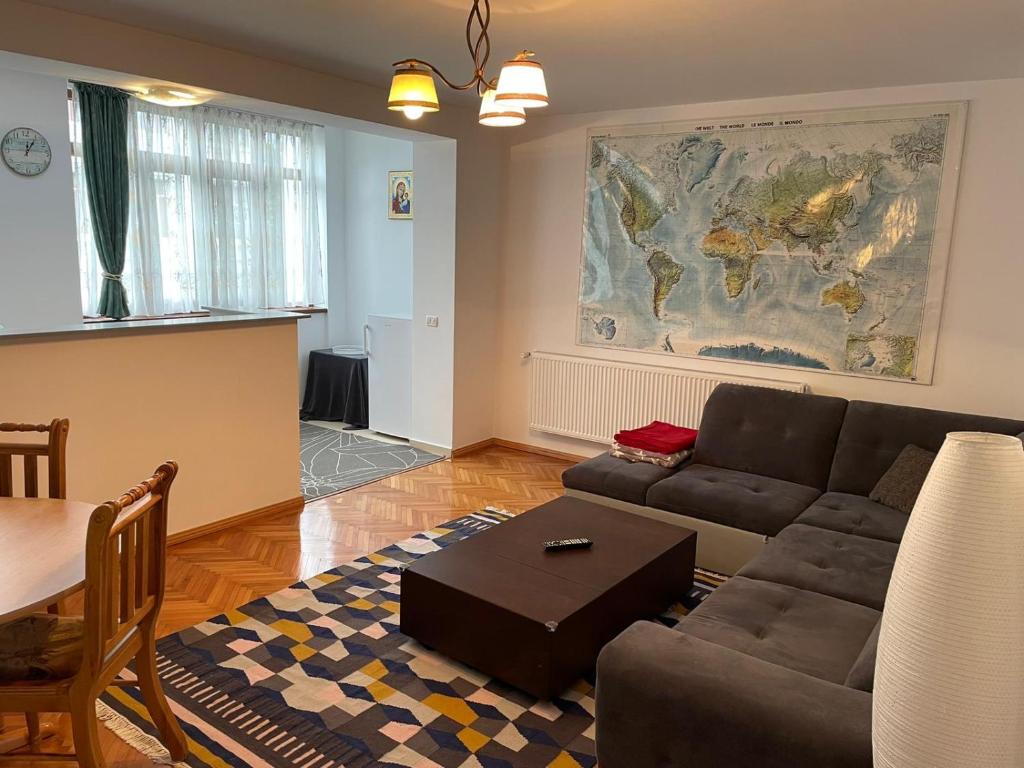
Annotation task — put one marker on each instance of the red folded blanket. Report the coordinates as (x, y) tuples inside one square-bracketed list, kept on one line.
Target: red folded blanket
[(659, 437)]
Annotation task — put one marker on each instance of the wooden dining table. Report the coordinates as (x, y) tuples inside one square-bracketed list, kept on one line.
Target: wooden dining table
[(42, 553), (42, 561)]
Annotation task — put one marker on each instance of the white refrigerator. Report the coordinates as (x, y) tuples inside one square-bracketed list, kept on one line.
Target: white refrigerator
[(388, 345)]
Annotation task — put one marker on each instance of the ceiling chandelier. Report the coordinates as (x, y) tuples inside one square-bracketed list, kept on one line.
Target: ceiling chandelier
[(503, 100)]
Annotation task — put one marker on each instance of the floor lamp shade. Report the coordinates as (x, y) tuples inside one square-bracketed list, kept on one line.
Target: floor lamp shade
[(949, 675)]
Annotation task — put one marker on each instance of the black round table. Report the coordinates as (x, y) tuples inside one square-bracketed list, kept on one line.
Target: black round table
[(337, 389)]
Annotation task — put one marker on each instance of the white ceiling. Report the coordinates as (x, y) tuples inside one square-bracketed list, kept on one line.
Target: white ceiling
[(606, 54)]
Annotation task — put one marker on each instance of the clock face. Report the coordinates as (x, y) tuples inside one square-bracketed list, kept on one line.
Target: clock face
[(26, 151)]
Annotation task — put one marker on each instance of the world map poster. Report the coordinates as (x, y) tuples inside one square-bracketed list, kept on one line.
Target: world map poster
[(815, 240)]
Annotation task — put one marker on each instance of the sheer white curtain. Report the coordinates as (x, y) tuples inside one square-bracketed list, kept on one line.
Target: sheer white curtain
[(227, 209)]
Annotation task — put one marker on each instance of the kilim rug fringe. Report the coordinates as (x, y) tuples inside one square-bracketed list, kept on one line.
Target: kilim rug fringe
[(135, 737)]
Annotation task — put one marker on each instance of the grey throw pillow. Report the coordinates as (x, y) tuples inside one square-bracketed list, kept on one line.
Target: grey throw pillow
[(899, 486), (1021, 437)]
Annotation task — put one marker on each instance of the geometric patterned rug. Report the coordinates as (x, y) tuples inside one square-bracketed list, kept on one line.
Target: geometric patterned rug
[(318, 676), (331, 461)]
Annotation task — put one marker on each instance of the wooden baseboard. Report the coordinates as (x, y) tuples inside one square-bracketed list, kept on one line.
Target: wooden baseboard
[(537, 449), (525, 447), (290, 505), (473, 447)]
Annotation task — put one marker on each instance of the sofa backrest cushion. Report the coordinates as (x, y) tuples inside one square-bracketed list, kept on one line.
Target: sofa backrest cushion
[(862, 673), (785, 435), (874, 434)]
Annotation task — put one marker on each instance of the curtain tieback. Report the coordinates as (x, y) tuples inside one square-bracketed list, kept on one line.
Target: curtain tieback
[(111, 276)]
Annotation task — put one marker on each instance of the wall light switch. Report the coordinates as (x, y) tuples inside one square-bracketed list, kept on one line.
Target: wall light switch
[(432, 321)]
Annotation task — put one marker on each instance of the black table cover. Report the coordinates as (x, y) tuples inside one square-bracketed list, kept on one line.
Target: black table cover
[(337, 389)]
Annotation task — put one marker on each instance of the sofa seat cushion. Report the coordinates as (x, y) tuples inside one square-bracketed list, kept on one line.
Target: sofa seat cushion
[(606, 475), (849, 513), (804, 631), (840, 565), (737, 499)]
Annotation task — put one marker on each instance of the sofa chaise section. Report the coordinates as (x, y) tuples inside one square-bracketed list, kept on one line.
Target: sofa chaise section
[(668, 698), (608, 477)]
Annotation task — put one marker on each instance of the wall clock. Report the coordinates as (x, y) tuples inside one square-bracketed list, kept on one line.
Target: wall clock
[(26, 151)]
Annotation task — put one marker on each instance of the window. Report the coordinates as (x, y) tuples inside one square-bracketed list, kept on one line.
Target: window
[(227, 209)]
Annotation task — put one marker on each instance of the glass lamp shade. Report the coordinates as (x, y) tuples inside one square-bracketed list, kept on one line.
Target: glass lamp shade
[(521, 84), (499, 115), (172, 97), (413, 93)]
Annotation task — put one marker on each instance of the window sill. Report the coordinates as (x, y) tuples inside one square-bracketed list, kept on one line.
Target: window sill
[(301, 310), (89, 319), (203, 313)]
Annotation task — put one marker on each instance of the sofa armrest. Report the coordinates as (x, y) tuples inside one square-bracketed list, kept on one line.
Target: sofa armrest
[(665, 698)]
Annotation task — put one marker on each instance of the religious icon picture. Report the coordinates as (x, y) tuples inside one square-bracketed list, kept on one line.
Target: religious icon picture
[(400, 194)]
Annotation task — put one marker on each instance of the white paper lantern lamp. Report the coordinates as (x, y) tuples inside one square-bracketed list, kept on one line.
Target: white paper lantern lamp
[(949, 675)]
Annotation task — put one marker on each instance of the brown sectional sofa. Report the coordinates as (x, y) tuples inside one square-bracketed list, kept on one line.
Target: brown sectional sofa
[(776, 668)]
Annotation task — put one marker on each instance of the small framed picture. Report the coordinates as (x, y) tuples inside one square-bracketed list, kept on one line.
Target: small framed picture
[(399, 194)]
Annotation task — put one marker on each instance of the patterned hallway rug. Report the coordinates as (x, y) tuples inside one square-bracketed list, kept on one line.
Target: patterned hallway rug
[(333, 461), (318, 676)]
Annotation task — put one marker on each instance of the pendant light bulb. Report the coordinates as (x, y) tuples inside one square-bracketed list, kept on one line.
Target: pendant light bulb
[(412, 91)]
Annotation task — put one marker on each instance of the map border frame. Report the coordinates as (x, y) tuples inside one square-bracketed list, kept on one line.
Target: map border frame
[(942, 236)]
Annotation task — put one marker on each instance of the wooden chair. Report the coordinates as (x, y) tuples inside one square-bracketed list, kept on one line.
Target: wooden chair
[(54, 451), (124, 589)]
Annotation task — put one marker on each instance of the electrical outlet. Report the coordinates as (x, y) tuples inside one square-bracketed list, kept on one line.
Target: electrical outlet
[(432, 321)]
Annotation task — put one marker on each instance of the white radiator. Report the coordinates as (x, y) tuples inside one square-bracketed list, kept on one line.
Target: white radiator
[(592, 399)]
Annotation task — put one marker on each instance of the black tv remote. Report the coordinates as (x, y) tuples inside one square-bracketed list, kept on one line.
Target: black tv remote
[(559, 544)]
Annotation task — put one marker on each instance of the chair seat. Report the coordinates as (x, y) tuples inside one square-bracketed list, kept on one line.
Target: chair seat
[(40, 648), (755, 503)]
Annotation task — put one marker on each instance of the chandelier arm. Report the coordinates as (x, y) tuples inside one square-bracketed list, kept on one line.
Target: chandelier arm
[(474, 12), (436, 71), (480, 51), (485, 38)]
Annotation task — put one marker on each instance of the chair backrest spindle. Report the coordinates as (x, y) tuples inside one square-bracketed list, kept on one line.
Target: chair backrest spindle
[(54, 449), (124, 558)]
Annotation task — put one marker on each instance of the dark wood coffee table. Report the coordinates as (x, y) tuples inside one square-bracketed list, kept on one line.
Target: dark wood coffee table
[(537, 620)]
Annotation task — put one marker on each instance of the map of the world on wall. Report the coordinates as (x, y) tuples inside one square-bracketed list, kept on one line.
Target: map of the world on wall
[(810, 240)]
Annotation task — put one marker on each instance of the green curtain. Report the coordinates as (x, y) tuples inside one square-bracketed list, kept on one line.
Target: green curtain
[(104, 113)]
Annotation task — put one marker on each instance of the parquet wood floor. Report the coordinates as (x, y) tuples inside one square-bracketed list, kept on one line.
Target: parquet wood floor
[(209, 575)]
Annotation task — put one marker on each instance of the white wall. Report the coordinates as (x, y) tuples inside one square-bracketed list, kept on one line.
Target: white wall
[(38, 254), (433, 355), (369, 255), (979, 364), (378, 250)]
